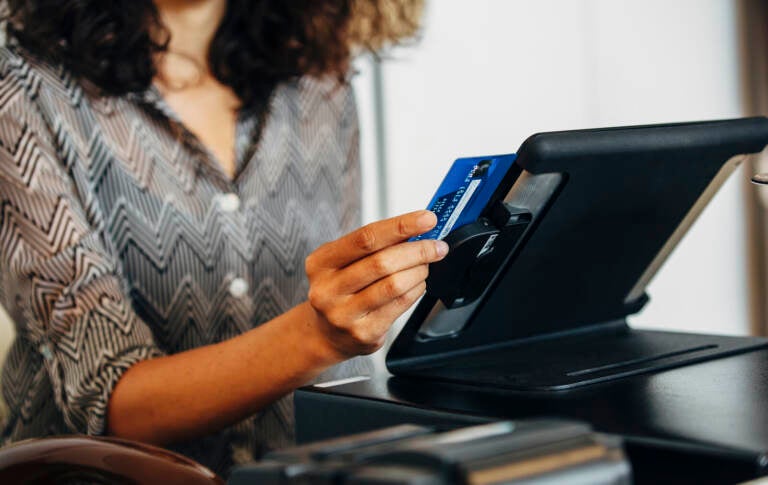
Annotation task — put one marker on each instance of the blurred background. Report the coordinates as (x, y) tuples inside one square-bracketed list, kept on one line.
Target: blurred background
[(486, 74)]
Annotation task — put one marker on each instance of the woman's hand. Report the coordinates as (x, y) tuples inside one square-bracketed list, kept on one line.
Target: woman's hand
[(360, 283)]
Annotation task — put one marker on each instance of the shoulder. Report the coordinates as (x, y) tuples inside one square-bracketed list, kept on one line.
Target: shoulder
[(317, 97), (51, 88), (15, 74), (12, 61), (19, 67), (20, 84), (34, 91), (48, 94)]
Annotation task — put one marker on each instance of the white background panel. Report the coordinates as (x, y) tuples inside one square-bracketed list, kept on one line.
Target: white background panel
[(488, 73)]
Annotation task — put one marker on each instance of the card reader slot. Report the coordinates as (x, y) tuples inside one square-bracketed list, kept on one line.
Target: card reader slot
[(477, 252)]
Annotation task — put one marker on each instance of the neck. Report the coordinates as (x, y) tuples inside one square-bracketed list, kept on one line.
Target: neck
[(192, 25)]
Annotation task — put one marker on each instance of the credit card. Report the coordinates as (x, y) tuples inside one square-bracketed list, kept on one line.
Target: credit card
[(465, 191)]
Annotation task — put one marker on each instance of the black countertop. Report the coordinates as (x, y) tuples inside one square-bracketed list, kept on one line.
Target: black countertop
[(717, 408)]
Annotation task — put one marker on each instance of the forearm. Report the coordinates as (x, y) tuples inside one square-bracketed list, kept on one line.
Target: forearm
[(358, 285), (197, 392)]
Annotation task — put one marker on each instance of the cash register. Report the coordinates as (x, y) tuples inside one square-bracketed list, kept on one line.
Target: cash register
[(527, 316)]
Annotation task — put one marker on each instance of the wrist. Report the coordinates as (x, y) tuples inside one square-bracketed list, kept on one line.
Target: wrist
[(319, 342)]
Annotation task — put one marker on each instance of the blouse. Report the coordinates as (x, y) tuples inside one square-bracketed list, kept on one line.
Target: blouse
[(122, 239)]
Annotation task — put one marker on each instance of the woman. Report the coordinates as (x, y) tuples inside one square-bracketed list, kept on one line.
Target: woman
[(165, 169)]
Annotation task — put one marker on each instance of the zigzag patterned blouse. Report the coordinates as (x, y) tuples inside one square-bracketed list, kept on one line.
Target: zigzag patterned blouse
[(121, 239)]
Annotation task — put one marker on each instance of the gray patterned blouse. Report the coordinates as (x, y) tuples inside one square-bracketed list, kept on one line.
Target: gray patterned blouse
[(121, 239)]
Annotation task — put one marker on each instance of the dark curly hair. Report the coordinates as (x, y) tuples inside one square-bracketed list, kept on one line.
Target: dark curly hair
[(259, 43)]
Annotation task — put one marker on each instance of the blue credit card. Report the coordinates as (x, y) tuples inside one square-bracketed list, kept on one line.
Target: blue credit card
[(465, 191)]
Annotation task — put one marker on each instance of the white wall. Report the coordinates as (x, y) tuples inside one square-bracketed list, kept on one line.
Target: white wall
[(488, 73), (363, 82)]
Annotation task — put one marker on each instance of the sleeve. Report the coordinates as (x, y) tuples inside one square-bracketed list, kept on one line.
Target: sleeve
[(61, 284)]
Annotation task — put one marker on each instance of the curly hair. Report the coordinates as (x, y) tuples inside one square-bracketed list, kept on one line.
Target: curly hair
[(259, 43)]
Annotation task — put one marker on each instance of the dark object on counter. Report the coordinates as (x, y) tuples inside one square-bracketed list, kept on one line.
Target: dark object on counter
[(514, 452), (70, 460)]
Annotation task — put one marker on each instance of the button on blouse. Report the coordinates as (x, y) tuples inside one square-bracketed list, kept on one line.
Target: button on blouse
[(238, 287), (228, 202)]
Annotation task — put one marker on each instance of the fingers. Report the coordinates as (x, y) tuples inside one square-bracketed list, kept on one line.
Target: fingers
[(370, 239), (363, 331), (385, 315), (388, 290), (391, 260), (360, 283)]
